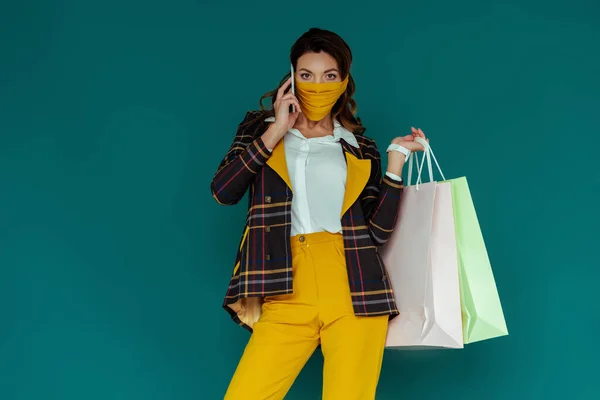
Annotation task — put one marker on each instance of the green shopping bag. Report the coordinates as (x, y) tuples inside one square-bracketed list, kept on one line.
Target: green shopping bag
[(482, 315), (482, 312)]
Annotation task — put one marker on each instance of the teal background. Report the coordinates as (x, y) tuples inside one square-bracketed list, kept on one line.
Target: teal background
[(114, 115)]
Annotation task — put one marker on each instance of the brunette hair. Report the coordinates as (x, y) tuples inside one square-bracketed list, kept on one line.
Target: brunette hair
[(316, 40)]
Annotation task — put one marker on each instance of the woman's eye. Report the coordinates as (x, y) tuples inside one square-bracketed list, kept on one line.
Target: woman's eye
[(305, 76), (331, 76)]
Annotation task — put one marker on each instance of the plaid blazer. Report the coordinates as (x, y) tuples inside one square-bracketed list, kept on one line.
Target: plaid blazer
[(263, 265)]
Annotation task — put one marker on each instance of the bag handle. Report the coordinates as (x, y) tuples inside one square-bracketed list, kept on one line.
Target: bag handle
[(427, 154)]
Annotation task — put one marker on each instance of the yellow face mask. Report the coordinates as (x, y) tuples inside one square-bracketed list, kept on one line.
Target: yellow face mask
[(317, 99)]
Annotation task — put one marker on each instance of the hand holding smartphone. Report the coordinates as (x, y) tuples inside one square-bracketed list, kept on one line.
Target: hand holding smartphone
[(286, 108)]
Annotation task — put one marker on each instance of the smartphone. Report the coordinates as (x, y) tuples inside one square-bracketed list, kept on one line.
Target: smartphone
[(292, 108), (293, 79)]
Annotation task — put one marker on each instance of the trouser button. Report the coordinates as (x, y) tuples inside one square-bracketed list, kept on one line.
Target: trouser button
[(302, 238)]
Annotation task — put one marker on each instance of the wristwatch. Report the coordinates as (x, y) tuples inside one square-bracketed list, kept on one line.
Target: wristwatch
[(398, 148)]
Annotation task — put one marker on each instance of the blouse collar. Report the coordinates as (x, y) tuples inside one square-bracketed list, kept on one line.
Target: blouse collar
[(339, 132)]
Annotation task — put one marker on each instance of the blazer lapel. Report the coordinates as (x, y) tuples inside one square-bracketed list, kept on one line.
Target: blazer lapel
[(278, 163), (358, 174)]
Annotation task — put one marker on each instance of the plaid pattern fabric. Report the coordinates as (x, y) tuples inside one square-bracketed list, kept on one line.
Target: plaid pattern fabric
[(263, 264)]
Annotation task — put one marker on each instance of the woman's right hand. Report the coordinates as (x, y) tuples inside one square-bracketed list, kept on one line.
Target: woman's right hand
[(284, 120)]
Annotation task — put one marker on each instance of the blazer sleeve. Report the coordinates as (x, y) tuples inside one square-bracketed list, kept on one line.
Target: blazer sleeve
[(245, 158), (380, 199)]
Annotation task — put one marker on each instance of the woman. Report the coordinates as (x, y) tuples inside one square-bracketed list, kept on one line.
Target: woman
[(308, 271)]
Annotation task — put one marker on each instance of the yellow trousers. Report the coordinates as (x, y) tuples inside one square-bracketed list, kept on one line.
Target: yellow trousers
[(318, 312)]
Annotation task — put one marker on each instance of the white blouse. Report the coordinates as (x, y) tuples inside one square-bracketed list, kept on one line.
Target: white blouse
[(317, 171)]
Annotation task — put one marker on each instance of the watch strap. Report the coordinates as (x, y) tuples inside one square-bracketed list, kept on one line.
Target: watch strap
[(398, 148)]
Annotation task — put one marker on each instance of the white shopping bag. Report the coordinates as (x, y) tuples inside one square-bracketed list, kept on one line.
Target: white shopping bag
[(422, 264)]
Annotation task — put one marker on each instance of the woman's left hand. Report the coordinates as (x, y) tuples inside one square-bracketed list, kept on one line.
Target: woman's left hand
[(396, 159), (409, 142)]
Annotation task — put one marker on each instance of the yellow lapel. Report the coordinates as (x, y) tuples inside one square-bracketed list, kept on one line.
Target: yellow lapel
[(278, 163), (357, 177)]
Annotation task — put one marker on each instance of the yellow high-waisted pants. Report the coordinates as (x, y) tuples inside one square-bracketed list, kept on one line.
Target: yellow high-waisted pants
[(292, 326)]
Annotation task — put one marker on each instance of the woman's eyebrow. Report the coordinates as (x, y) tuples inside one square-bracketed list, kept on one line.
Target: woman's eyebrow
[(329, 70)]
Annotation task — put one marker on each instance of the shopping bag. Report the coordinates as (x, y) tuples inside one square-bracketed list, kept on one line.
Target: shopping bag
[(483, 317), (482, 314), (422, 265)]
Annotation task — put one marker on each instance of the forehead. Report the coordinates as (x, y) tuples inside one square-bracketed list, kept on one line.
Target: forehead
[(316, 62)]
